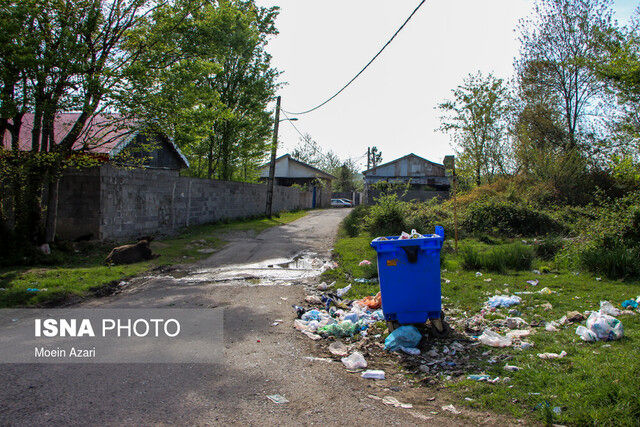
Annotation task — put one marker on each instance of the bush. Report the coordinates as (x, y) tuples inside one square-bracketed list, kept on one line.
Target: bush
[(514, 256), (387, 217), (508, 219), (616, 262), (352, 224), (548, 247), (424, 216)]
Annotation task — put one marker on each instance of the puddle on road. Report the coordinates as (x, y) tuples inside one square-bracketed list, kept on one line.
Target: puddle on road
[(272, 272)]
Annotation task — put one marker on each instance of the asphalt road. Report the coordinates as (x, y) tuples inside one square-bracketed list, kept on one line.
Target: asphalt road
[(260, 359)]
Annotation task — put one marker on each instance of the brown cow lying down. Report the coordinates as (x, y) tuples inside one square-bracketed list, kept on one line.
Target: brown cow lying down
[(129, 254)]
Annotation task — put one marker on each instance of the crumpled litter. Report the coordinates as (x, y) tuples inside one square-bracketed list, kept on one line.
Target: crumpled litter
[(372, 302), (494, 339), (338, 348), (607, 308), (404, 336), (313, 299), (373, 374), (546, 291), (342, 329), (340, 292), (504, 301), (355, 361), (392, 401), (552, 355), (532, 282), (630, 303), (601, 326), (364, 262), (451, 409)]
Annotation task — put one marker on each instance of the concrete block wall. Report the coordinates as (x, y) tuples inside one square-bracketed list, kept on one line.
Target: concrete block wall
[(128, 203)]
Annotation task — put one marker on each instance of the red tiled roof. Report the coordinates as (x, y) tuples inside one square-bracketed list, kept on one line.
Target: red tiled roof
[(103, 134)]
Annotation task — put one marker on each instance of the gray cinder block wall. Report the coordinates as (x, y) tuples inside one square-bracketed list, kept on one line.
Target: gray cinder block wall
[(117, 204)]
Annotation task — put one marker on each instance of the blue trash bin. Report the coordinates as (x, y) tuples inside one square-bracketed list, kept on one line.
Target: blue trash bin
[(409, 273)]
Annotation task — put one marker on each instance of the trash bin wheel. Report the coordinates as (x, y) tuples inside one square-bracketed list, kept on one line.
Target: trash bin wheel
[(392, 325)]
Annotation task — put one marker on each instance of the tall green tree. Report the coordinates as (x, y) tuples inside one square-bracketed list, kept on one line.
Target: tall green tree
[(476, 118)]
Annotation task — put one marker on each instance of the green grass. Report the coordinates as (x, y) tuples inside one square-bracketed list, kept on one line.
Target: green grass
[(596, 383), (513, 256), (82, 268)]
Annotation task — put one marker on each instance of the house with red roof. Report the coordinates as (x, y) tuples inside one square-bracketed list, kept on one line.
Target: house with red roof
[(110, 139)]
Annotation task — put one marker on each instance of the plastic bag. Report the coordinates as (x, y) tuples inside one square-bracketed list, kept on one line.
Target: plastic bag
[(355, 361), (373, 374), (404, 336), (342, 329), (340, 292), (586, 334), (504, 301), (607, 308), (604, 326), (373, 303), (494, 339)]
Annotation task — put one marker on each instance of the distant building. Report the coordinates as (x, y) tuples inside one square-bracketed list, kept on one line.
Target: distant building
[(109, 140), (290, 171), (425, 178)]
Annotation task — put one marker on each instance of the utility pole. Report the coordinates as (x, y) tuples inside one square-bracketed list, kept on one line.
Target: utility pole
[(272, 165), (368, 158)]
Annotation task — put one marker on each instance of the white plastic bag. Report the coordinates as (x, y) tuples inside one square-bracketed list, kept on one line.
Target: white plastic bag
[(373, 374), (607, 308), (586, 334), (604, 326), (355, 361), (494, 339), (340, 292)]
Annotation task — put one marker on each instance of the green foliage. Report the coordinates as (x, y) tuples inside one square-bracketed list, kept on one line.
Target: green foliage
[(514, 256), (508, 219), (615, 262), (548, 247), (352, 223), (387, 217)]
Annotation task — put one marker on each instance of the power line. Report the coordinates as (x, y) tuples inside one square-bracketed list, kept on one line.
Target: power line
[(365, 67)]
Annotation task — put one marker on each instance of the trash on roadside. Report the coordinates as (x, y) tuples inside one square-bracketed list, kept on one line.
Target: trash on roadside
[(322, 286), (546, 291), (546, 306), (318, 359), (511, 368), (338, 348), (479, 377), (586, 334), (518, 334), (355, 361), (37, 290), (313, 299), (574, 316), (533, 282), (276, 398), (630, 303), (552, 355), (404, 336), (504, 301), (372, 302), (451, 409), (364, 262), (340, 292), (494, 339), (342, 329), (373, 374), (392, 401), (311, 335), (410, 350)]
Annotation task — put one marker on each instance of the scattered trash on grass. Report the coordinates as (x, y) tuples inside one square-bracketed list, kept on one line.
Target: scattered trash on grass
[(404, 336), (533, 282), (373, 374), (603, 326), (494, 339), (364, 262), (552, 355), (355, 361), (546, 291), (340, 292), (374, 302), (313, 299), (511, 368), (504, 301), (607, 308), (630, 303), (478, 274), (276, 398)]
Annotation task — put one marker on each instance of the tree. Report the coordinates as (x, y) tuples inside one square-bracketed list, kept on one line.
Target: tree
[(558, 43), (476, 118), (58, 56)]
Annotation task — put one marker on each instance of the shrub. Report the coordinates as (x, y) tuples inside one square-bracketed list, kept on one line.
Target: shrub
[(514, 256), (352, 223), (387, 216), (548, 247), (615, 262), (508, 219), (424, 216)]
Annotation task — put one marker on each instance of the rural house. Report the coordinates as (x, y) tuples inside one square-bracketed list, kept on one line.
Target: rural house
[(425, 178)]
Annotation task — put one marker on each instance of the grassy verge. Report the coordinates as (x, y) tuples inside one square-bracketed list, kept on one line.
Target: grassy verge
[(81, 267), (596, 383)]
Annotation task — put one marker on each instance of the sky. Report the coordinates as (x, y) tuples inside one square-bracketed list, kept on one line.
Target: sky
[(323, 43)]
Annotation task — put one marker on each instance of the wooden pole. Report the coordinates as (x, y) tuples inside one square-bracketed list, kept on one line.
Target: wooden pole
[(272, 165)]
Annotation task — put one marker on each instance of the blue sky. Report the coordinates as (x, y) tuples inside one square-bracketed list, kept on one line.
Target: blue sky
[(322, 44)]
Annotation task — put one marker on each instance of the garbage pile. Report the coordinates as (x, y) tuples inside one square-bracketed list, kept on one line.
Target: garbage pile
[(601, 325), (404, 236)]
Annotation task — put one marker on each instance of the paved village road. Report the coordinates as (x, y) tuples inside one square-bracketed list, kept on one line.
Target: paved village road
[(260, 359)]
